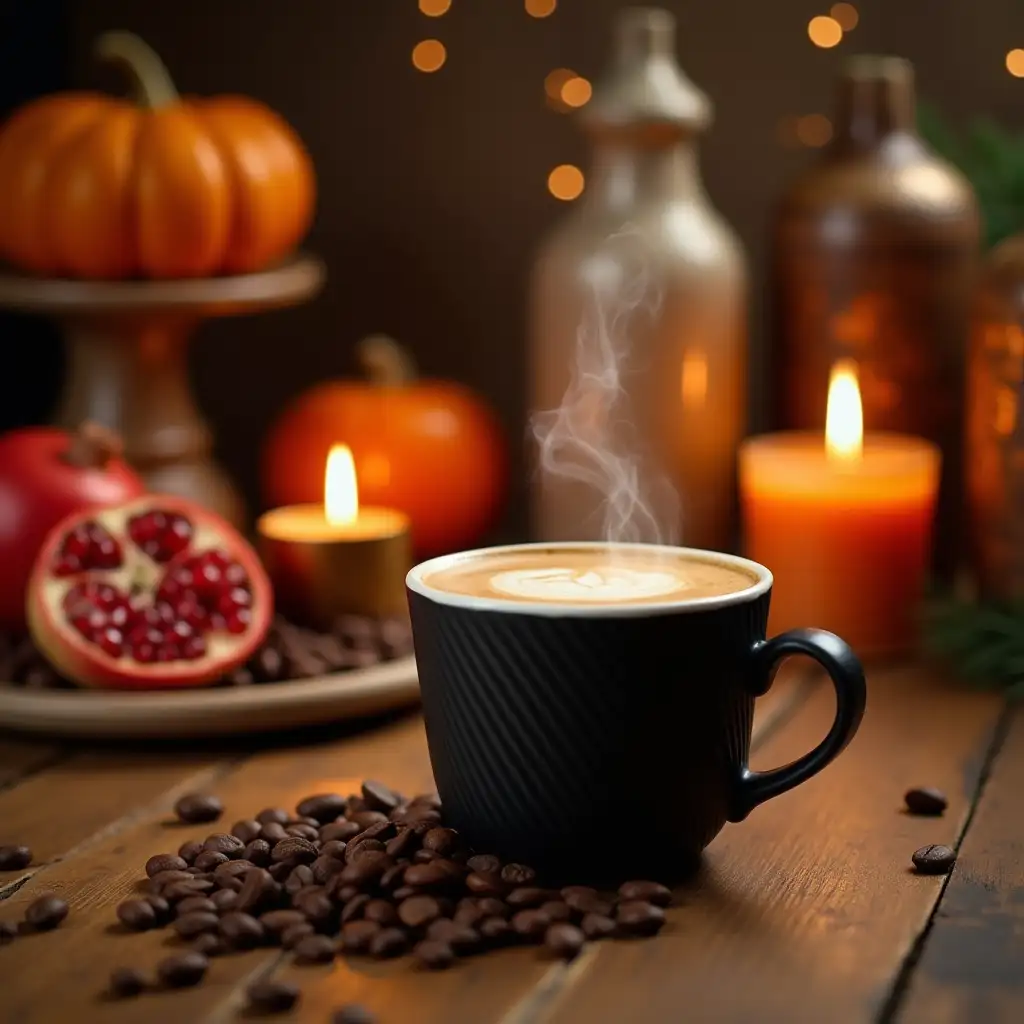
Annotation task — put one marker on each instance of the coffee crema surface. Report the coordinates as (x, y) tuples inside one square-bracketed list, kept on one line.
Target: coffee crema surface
[(598, 575)]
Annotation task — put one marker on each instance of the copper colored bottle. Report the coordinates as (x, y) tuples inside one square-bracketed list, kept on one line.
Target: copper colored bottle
[(995, 431), (650, 381), (875, 251)]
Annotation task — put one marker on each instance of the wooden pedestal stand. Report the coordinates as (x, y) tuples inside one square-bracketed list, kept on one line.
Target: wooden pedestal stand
[(127, 345)]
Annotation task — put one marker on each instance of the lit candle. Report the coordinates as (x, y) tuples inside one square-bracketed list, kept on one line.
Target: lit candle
[(844, 522), (336, 558)]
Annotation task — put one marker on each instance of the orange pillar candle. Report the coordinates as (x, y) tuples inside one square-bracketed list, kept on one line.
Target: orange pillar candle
[(844, 522)]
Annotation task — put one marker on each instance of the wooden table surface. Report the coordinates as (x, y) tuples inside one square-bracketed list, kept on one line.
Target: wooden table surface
[(807, 912)]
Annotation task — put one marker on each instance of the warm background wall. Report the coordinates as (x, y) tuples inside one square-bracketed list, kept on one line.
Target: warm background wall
[(433, 186)]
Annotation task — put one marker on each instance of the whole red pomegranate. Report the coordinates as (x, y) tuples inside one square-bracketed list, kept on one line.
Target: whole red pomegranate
[(45, 474), (154, 593)]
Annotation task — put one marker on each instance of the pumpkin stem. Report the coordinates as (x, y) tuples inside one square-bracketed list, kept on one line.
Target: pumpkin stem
[(384, 361), (151, 80), (93, 446)]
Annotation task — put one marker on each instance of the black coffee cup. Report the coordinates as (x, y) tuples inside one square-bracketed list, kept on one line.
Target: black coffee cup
[(608, 740)]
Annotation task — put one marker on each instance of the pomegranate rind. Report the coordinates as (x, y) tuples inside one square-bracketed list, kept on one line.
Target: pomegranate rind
[(85, 663)]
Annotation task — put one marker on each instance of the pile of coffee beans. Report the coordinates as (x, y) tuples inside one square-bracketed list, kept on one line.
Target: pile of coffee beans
[(372, 874), (289, 653)]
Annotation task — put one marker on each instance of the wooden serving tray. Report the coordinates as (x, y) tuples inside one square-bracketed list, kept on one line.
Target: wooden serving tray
[(186, 714)]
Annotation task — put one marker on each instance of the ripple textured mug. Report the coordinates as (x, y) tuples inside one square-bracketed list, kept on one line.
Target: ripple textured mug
[(589, 707)]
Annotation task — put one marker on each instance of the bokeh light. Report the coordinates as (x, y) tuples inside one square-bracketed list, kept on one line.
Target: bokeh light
[(540, 8), (1015, 63), (814, 130), (434, 8), (846, 15), (576, 92), (429, 55), (566, 182), (824, 31)]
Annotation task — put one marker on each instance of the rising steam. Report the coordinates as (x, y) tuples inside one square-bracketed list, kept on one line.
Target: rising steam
[(591, 437)]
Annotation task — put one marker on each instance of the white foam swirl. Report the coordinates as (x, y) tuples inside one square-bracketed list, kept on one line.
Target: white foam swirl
[(600, 583)]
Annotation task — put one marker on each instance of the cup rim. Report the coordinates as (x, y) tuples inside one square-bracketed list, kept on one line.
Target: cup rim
[(414, 581)]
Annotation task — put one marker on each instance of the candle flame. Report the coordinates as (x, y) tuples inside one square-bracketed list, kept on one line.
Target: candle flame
[(844, 414), (341, 489)]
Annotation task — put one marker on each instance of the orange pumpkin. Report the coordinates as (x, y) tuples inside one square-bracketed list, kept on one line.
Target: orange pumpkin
[(426, 447), (96, 187)]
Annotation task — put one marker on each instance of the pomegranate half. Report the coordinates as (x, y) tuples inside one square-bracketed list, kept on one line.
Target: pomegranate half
[(151, 594)]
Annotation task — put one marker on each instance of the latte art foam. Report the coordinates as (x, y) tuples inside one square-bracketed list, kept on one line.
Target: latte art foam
[(600, 583), (584, 575)]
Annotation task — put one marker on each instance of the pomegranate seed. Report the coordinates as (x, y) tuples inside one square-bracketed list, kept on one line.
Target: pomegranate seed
[(66, 565), (112, 642), (178, 535), (159, 615), (236, 575), (239, 621), (167, 652), (217, 621), (77, 542), (146, 653), (181, 631), (119, 616), (194, 647), (97, 619), (81, 624), (192, 613)]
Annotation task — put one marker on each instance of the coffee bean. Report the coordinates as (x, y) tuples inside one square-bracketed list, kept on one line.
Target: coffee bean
[(379, 797), (241, 930), (491, 907), (518, 874), (210, 860), (247, 829), (425, 856), (290, 937), (651, 892), (311, 833), (403, 844), (636, 917), (137, 915), (230, 871), (257, 852), (494, 930), (356, 936), (272, 996), (403, 892), (434, 954), (480, 884), (564, 940), (280, 872), (484, 863), (8, 932), (333, 848), (256, 887), (382, 912), (183, 970), (925, 800), (160, 906), (314, 949), (527, 897), (419, 911), (316, 905), (178, 891), (441, 840), (587, 903), (46, 913), (277, 815), (276, 921), (365, 868), (597, 926), (342, 829), (354, 907), (223, 842), (530, 924), (556, 911), (579, 892), (934, 860), (294, 848), (189, 850), (126, 982), (324, 807), (273, 833), (353, 1013), (301, 876), (196, 904), (389, 942), (395, 638), (194, 808), (162, 879), (188, 926), (364, 819), (325, 868), (355, 804), (421, 816), (460, 937), (210, 944), (468, 913), (165, 862), (224, 900), (268, 665)]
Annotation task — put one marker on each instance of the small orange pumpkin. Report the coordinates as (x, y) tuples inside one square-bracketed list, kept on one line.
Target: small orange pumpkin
[(95, 187), (429, 448)]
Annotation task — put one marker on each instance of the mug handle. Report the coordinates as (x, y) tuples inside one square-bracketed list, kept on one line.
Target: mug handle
[(844, 669)]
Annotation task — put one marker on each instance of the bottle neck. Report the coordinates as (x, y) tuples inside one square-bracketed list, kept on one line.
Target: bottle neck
[(624, 175), (874, 103)]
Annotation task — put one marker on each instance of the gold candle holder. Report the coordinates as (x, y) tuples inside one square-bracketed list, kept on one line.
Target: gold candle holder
[(337, 558)]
